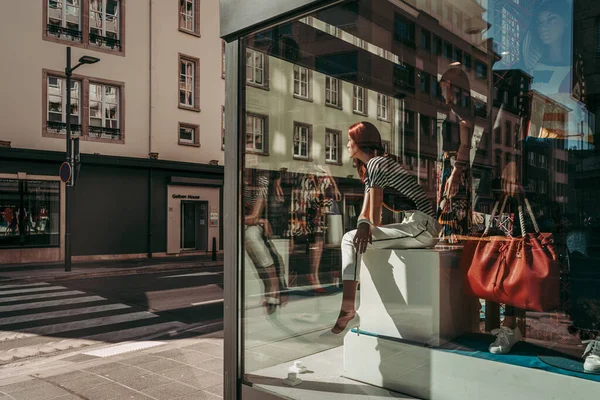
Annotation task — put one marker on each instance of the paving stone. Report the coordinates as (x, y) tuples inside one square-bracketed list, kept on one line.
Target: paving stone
[(43, 392), (195, 358), (144, 382), (214, 365), (204, 381), (15, 387), (87, 381), (104, 368), (217, 390), (169, 391), (200, 395), (136, 396), (211, 349), (105, 392), (69, 376), (160, 365), (140, 360), (183, 373)]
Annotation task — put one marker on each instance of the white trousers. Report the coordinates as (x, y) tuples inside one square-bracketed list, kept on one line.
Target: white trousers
[(416, 231)]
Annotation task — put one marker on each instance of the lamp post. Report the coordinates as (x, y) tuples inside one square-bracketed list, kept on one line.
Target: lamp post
[(70, 156)]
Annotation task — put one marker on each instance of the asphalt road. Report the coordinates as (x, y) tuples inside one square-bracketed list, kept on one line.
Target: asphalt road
[(44, 318)]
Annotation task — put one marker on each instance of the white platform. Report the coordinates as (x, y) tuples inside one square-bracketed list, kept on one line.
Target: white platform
[(432, 374), (415, 295)]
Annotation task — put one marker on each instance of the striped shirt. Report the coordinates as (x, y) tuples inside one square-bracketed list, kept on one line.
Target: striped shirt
[(254, 193), (386, 173)]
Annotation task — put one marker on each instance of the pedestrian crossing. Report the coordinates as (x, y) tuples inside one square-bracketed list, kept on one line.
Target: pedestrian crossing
[(41, 318)]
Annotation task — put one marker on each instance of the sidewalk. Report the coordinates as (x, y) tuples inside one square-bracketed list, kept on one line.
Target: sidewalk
[(182, 369), (56, 271)]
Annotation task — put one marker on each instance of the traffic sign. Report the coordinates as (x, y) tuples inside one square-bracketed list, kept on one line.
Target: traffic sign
[(65, 172)]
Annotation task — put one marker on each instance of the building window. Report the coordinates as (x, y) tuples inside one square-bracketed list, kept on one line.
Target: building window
[(386, 146), (404, 31), (480, 70), (456, 18), (301, 82), (425, 80), (302, 138), (448, 50), (64, 20), (333, 95), (39, 202), (256, 133), (465, 99), (468, 61), (409, 122), (104, 23), (505, 97), (531, 159), (104, 111), (498, 135), (189, 85), (189, 16), (189, 134), (332, 146), (436, 46), (425, 40), (498, 164), (222, 127), (359, 100), (508, 133), (425, 125), (57, 105), (383, 107), (458, 55), (256, 68)]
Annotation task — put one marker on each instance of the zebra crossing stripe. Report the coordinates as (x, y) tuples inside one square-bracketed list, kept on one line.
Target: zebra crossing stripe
[(4, 287), (74, 326), (31, 290), (52, 303), (40, 296), (62, 313)]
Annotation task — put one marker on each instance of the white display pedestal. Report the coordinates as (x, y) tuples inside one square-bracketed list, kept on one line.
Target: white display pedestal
[(415, 295)]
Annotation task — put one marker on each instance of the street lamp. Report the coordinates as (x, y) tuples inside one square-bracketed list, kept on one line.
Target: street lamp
[(70, 155)]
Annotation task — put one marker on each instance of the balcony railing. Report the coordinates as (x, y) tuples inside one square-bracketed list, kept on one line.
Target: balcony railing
[(101, 132), (104, 41), (61, 127), (59, 31)]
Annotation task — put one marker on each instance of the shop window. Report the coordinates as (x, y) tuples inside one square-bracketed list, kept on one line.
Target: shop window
[(189, 16), (64, 20), (104, 23), (333, 146), (189, 134), (302, 82), (256, 133), (359, 100), (102, 20), (104, 111), (189, 83), (333, 93), (57, 105), (257, 69), (29, 213), (383, 107), (302, 140)]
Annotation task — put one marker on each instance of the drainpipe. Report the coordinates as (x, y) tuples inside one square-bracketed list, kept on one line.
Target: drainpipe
[(150, 130)]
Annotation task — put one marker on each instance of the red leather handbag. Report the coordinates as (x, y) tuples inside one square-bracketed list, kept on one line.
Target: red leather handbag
[(523, 272)]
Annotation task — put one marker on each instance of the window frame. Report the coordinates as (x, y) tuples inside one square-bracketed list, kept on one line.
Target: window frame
[(195, 83), (338, 92), (381, 107), (195, 142), (338, 144), (308, 127), (84, 19), (265, 70), (196, 15), (365, 101), (265, 134), (103, 103), (64, 106), (308, 83), (84, 107)]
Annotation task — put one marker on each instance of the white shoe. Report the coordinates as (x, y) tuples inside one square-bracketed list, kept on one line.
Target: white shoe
[(592, 356), (505, 339)]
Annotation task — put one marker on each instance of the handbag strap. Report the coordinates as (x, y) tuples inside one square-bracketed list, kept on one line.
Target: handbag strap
[(489, 225)]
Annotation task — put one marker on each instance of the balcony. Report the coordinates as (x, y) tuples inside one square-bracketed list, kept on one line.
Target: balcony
[(68, 33), (104, 133), (104, 41), (61, 127)]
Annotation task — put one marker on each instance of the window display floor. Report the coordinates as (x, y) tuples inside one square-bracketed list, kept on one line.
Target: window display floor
[(323, 380)]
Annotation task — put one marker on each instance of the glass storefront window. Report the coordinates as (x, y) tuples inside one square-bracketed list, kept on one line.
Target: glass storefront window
[(493, 153), (29, 213)]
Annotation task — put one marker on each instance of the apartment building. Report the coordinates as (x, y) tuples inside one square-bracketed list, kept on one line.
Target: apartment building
[(148, 117)]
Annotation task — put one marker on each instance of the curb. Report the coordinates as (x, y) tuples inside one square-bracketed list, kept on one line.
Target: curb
[(116, 272)]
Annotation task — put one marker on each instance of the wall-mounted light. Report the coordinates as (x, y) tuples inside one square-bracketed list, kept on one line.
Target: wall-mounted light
[(350, 176), (214, 162), (153, 156), (5, 143)]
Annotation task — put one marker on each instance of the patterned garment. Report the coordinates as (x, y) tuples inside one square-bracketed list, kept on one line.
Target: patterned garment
[(386, 173), (309, 204), (255, 192), (455, 214)]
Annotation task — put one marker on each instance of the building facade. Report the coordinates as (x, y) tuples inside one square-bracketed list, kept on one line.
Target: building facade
[(150, 135)]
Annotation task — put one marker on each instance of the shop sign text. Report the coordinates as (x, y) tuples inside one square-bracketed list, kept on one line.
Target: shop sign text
[(186, 196)]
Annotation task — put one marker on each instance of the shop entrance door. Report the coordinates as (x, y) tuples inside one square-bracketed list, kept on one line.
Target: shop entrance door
[(194, 225)]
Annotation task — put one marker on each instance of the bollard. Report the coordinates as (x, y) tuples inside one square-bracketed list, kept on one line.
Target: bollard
[(214, 249)]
